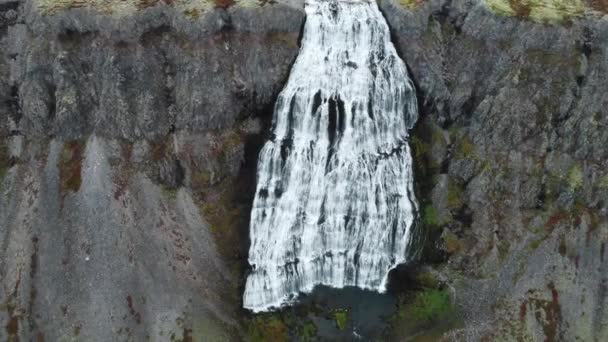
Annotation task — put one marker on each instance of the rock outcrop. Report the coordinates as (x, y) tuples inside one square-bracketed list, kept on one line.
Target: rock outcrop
[(124, 174), (512, 162)]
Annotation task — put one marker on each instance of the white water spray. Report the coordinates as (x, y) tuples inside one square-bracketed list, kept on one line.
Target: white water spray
[(334, 203)]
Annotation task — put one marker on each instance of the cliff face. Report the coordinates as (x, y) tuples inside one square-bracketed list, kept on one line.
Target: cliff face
[(129, 137), (512, 162), (128, 158)]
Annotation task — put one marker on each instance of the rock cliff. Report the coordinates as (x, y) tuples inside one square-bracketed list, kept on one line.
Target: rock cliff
[(512, 160), (128, 153)]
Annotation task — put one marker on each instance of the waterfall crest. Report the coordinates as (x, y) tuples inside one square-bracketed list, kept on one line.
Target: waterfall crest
[(334, 203)]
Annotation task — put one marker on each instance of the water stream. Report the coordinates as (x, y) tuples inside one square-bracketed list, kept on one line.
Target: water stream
[(334, 203)]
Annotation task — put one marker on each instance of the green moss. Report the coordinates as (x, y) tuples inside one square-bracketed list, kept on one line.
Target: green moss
[(410, 4), (267, 328), (534, 244), (307, 332), (70, 165), (340, 317), (575, 178), (504, 248), (427, 308), (454, 194), (427, 280), (169, 192), (604, 182), (419, 150), (540, 11), (193, 13), (464, 149), (429, 216)]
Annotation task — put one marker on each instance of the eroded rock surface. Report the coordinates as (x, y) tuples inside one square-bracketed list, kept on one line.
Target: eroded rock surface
[(124, 173), (512, 161)]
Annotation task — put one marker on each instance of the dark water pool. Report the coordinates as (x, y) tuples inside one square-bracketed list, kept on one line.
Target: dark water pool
[(348, 314)]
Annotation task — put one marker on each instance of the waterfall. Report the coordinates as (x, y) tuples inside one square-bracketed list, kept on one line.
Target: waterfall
[(334, 203)]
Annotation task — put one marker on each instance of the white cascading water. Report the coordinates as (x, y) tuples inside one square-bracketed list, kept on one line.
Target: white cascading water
[(334, 203)]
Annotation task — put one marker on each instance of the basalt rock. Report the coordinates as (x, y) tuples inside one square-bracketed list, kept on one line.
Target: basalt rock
[(122, 147), (520, 105)]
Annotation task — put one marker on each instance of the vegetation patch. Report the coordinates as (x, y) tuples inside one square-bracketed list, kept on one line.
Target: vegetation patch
[(289, 324), (429, 306), (429, 312), (70, 166), (190, 8), (340, 317), (575, 178), (411, 4), (427, 280), (454, 195), (426, 170), (540, 11), (451, 243), (604, 182), (307, 332), (430, 218), (420, 151), (465, 148), (534, 244), (269, 327)]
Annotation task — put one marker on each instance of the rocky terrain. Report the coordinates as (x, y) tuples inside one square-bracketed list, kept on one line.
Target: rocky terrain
[(129, 133)]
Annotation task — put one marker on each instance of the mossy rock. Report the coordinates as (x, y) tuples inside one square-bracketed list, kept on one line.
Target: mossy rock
[(465, 149), (411, 4), (451, 243), (307, 332), (454, 195), (540, 11), (604, 182), (428, 311), (168, 192), (427, 280), (341, 317), (430, 218), (268, 328), (191, 8), (574, 178)]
